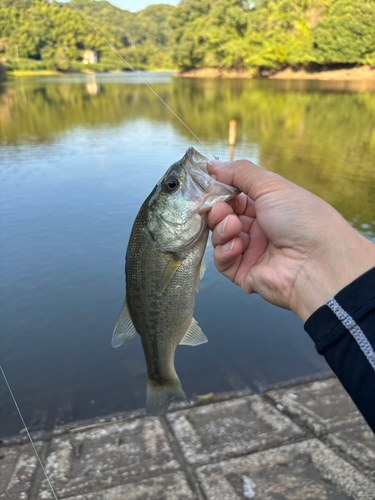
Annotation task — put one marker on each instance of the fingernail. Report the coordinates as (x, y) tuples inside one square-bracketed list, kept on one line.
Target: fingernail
[(228, 246), (216, 163), (221, 226)]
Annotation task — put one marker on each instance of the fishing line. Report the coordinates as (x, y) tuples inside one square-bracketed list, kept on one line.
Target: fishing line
[(27, 432), (139, 76)]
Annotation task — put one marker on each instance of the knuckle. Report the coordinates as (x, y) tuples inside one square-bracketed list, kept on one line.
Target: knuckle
[(242, 163)]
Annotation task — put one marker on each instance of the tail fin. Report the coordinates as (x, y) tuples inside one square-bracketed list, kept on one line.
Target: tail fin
[(159, 397)]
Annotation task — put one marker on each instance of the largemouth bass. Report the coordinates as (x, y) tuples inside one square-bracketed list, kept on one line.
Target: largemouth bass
[(163, 265)]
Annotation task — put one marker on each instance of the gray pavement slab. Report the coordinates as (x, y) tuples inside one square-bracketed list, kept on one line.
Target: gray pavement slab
[(308, 470), (106, 456), (321, 406), (357, 445), (231, 428), (172, 486), (18, 466)]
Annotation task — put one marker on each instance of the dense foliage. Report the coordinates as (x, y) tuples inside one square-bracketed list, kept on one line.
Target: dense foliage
[(55, 34), (252, 34), (273, 33)]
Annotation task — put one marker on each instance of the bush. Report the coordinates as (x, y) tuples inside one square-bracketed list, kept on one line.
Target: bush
[(62, 62), (29, 65), (346, 33)]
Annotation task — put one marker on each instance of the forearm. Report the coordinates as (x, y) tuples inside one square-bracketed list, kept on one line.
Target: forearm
[(344, 332)]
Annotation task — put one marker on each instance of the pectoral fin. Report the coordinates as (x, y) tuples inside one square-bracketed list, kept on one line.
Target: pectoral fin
[(194, 336), (124, 329), (202, 269), (200, 273), (169, 271)]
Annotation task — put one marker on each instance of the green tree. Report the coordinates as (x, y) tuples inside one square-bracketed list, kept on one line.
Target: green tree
[(273, 34), (251, 34), (207, 32), (57, 34), (277, 35), (346, 33)]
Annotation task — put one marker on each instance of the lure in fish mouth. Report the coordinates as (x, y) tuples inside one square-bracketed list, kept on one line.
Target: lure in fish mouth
[(163, 265)]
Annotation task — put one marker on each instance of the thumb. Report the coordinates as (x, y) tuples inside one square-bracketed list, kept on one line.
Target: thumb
[(246, 176)]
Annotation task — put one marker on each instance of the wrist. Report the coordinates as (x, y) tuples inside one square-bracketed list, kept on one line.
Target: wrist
[(329, 276)]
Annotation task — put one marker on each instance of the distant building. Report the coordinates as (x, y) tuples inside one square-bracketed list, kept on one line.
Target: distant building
[(90, 57)]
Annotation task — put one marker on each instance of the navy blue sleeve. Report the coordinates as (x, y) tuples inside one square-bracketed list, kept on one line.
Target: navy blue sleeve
[(344, 333)]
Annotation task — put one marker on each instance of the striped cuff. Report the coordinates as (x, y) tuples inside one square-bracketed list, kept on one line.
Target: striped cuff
[(354, 329), (344, 332), (350, 312)]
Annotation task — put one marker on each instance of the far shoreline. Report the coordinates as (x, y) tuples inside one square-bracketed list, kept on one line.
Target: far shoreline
[(354, 73), (364, 74), (47, 72)]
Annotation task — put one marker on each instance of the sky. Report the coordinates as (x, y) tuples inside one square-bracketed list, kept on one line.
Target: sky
[(134, 5)]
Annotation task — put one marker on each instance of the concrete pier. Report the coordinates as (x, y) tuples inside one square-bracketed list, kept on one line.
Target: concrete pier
[(297, 441)]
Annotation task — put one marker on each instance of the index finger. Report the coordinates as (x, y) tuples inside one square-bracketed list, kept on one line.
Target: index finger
[(241, 205), (248, 177)]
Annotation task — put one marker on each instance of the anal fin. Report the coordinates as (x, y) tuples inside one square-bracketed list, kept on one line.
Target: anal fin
[(194, 336)]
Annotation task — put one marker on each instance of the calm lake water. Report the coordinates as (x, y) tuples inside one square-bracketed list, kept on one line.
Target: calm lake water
[(78, 155)]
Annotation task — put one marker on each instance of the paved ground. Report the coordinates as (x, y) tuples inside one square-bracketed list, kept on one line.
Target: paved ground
[(304, 441)]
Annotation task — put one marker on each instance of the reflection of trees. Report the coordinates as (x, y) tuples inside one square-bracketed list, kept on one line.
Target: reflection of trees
[(320, 139), (2, 74)]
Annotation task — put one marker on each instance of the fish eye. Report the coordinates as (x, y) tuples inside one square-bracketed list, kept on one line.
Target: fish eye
[(171, 184)]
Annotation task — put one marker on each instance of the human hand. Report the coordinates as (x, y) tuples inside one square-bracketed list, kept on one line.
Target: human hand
[(282, 242)]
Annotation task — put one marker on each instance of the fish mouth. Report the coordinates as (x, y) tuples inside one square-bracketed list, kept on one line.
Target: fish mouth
[(201, 186), (196, 159), (195, 165)]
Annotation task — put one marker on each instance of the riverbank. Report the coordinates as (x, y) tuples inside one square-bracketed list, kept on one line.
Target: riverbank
[(361, 73), (355, 73), (31, 67), (300, 440), (23, 73)]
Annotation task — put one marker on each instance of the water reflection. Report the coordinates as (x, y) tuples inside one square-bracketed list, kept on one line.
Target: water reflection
[(78, 155), (321, 135)]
